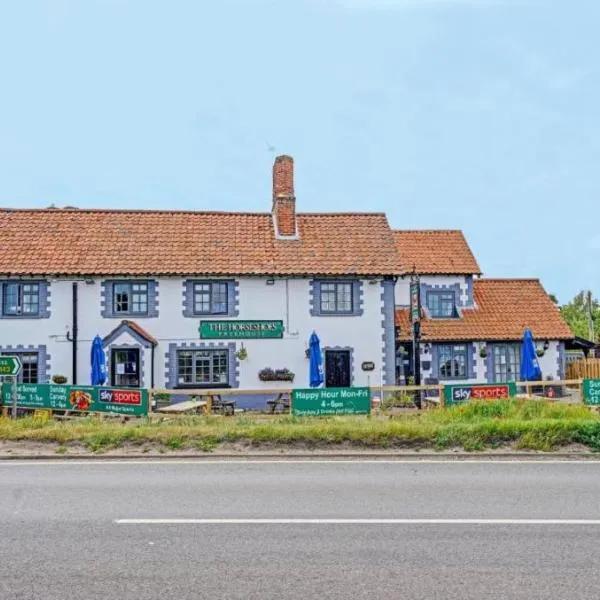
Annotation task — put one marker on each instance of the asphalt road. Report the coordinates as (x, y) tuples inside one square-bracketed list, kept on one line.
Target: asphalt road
[(62, 534)]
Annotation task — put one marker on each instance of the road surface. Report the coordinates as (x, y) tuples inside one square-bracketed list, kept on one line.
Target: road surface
[(290, 530)]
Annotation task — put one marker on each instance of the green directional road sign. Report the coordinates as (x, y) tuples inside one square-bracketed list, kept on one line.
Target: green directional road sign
[(10, 365)]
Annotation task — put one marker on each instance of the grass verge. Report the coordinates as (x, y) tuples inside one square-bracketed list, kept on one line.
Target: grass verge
[(474, 427)]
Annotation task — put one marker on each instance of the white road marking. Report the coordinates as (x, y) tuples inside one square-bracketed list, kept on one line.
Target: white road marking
[(357, 521), (295, 461)]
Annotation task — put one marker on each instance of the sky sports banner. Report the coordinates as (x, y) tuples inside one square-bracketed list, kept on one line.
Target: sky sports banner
[(458, 394), (78, 398)]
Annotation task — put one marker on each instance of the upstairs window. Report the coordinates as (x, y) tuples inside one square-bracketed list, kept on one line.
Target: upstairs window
[(441, 305), (20, 299), (210, 297), (452, 360), (130, 298), (337, 298)]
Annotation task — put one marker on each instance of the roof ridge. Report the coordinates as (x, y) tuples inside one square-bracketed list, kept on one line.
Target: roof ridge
[(428, 231), (506, 279)]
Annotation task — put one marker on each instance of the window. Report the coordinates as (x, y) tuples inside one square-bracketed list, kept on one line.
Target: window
[(337, 297), (507, 362), (130, 298), (30, 361), (20, 299), (210, 298), (202, 367), (441, 305), (452, 361)]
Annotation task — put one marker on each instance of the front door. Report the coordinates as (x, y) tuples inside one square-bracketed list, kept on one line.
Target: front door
[(337, 368), (125, 367)]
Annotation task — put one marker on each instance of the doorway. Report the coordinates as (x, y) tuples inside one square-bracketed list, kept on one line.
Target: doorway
[(337, 368), (125, 367)]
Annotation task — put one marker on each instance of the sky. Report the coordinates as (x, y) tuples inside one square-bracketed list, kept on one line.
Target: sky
[(480, 115)]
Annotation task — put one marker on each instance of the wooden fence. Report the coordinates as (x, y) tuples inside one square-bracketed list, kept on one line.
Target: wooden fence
[(588, 368)]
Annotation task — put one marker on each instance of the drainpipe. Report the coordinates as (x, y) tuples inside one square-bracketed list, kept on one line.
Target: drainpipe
[(152, 366), (75, 331)]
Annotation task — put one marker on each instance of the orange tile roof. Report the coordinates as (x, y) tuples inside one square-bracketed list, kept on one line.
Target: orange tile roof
[(504, 309), (432, 252), (113, 242)]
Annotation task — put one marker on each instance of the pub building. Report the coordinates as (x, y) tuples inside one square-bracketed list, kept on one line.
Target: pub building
[(203, 299)]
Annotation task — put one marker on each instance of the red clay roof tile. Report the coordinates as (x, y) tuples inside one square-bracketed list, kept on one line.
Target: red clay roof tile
[(504, 309), (113, 242), (432, 252)]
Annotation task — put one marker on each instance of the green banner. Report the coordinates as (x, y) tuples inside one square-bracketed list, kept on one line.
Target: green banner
[(331, 401), (457, 394), (78, 398), (235, 330), (591, 391)]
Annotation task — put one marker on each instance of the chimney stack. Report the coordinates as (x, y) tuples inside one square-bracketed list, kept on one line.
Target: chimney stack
[(284, 201)]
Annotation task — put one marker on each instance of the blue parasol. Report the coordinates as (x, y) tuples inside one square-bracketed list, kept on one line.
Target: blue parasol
[(530, 367), (316, 361), (98, 360)]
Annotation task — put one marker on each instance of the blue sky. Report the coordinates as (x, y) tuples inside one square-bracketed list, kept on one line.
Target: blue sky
[(481, 115)]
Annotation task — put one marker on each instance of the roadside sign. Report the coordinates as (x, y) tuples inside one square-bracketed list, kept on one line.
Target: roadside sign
[(131, 401), (331, 401), (10, 366), (591, 391), (458, 394)]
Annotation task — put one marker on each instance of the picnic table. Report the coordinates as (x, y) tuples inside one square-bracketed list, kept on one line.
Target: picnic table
[(282, 400), (183, 407)]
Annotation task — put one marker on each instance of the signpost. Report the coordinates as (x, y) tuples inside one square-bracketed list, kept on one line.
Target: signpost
[(458, 394), (132, 402), (235, 330), (591, 391), (10, 366), (331, 401)]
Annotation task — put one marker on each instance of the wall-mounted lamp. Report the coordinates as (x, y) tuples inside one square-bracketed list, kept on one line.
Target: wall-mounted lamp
[(270, 282), (546, 345), (89, 282), (426, 348)]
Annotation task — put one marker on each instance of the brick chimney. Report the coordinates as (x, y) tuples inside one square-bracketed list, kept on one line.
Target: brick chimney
[(284, 201)]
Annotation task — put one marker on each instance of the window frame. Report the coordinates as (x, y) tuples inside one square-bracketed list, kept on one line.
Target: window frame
[(454, 353), (449, 294), (193, 367), (211, 295), (336, 297), (500, 350), (131, 292), (21, 294)]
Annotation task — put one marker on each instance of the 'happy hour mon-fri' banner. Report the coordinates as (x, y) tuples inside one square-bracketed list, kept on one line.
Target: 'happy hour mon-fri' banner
[(78, 398)]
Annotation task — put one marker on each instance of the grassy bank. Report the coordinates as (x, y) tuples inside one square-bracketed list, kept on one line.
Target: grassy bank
[(476, 426)]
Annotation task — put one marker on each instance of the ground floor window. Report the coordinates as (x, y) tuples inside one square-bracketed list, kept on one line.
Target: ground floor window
[(202, 367), (452, 361), (507, 362), (30, 371), (125, 367)]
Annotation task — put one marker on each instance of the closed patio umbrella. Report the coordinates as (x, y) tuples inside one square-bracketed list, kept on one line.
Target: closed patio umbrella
[(316, 361), (530, 367), (98, 362)]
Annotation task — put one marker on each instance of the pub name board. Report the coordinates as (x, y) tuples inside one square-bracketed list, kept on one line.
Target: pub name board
[(235, 330)]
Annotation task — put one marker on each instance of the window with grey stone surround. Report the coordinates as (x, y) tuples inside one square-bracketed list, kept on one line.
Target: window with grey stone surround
[(453, 361), (35, 362), (336, 298), (210, 297), (24, 299), (129, 298), (192, 365)]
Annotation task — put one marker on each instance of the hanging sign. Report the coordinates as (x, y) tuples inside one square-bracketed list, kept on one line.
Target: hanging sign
[(415, 301)]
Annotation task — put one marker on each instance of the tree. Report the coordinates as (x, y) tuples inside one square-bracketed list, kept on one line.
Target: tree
[(577, 315)]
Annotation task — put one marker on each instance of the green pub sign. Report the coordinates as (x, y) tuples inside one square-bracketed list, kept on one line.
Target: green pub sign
[(317, 402), (131, 401), (244, 330), (591, 391)]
